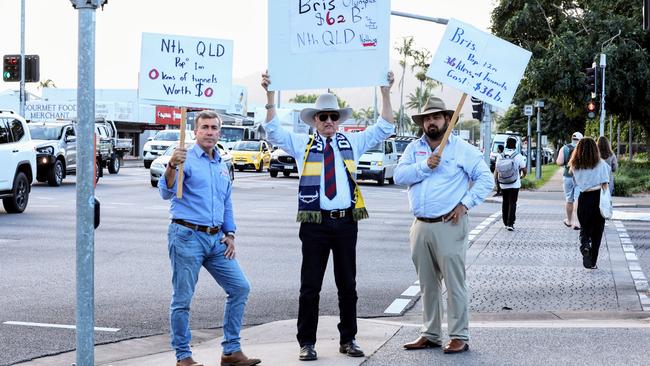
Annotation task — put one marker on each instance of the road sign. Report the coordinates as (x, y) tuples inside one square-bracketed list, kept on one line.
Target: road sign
[(528, 110)]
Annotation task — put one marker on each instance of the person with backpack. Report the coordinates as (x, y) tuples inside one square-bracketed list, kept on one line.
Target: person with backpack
[(570, 191), (510, 167)]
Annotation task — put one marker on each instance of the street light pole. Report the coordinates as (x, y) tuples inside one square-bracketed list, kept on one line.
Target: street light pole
[(420, 17), (603, 64), (528, 111), (538, 161)]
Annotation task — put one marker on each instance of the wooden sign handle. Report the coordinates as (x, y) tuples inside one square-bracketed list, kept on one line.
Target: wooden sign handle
[(450, 128), (179, 186)]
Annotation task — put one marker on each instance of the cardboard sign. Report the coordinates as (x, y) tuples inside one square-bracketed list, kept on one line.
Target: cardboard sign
[(328, 44), (190, 71), (479, 64)]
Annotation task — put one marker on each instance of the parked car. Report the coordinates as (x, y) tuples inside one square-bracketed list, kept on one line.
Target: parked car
[(159, 165), (401, 142), (251, 154), (56, 150), (379, 162), (18, 162), (281, 161), (157, 145)]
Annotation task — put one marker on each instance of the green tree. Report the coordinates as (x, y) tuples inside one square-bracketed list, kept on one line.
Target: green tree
[(564, 37), (405, 51), (304, 98)]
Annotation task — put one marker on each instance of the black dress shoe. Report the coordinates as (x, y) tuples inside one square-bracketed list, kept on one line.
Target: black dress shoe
[(351, 349), (307, 353)]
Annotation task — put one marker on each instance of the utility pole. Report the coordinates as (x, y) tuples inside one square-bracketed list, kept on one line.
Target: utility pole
[(603, 64), (538, 160), (85, 204), (22, 58)]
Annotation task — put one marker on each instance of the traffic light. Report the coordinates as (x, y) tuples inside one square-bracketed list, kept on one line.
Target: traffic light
[(590, 79), (11, 68), (591, 109), (477, 109)]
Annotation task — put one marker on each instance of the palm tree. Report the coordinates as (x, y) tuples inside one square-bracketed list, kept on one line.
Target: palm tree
[(304, 98), (418, 99)]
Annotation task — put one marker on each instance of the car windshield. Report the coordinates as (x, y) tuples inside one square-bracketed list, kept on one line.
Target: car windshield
[(496, 144), (247, 146), (377, 148), (173, 135), (45, 132), (401, 145), (229, 134)]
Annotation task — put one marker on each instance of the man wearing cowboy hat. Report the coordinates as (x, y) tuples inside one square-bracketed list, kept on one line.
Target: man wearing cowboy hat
[(439, 196), (329, 206)]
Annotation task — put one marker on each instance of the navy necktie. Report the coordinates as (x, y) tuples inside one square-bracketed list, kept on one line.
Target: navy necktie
[(330, 174)]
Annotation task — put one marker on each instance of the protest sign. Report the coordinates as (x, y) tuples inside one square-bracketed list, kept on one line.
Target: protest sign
[(190, 71), (328, 44), (479, 64)]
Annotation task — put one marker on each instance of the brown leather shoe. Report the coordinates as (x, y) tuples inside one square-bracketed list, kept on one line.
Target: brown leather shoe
[(238, 359), (456, 346), (421, 343), (188, 362)]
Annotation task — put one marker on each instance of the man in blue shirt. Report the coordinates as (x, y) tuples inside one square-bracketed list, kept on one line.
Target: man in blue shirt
[(202, 234), (330, 205), (439, 196)]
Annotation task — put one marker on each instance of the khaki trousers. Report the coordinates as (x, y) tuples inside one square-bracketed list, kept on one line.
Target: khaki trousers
[(438, 252)]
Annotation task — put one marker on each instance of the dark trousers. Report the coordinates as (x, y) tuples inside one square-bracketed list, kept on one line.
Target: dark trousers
[(509, 205), (592, 223), (340, 237)]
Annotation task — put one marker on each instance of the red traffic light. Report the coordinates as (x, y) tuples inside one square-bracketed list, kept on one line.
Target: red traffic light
[(591, 106)]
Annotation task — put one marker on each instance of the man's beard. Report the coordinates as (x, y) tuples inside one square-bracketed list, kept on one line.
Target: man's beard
[(434, 133)]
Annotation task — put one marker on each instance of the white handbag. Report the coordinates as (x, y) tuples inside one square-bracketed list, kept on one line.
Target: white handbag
[(605, 203)]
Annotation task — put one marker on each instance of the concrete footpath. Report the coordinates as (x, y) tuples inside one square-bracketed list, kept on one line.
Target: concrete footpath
[(531, 303)]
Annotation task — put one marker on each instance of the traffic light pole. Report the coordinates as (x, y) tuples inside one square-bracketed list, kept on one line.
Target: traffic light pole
[(22, 58), (603, 64), (538, 161), (487, 136)]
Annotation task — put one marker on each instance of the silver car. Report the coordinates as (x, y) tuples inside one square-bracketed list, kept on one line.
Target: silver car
[(159, 164)]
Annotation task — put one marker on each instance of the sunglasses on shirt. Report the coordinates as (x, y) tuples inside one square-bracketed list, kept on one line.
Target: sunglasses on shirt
[(323, 117)]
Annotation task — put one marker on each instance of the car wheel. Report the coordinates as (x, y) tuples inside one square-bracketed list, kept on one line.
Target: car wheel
[(154, 183), (261, 167), (55, 176), (391, 180), (273, 173), (98, 170), (114, 164), (147, 164), (20, 195), (286, 174), (380, 180)]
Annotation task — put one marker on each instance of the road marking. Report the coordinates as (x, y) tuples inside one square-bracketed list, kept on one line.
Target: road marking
[(612, 323), (63, 326), (639, 278), (398, 305)]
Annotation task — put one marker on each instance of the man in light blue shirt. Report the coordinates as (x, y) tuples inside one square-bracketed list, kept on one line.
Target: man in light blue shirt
[(330, 205), (439, 196), (202, 234)]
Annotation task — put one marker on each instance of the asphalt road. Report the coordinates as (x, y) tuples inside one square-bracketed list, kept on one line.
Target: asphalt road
[(132, 277)]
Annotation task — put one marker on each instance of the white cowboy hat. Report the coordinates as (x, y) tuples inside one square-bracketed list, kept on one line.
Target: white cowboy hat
[(325, 103)]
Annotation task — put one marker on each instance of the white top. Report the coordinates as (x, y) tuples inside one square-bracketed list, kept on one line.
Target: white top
[(590, 178), (295, 144), (520, 161)]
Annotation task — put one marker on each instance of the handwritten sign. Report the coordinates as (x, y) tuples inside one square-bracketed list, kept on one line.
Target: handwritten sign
[(334, 25), (178, 70), (328, 43), (479, 64)]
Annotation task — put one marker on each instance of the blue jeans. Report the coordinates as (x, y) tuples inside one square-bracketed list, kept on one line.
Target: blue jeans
[(189, 250)]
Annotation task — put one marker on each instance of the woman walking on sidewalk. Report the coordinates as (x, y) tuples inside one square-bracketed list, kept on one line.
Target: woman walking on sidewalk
[(590, 173)]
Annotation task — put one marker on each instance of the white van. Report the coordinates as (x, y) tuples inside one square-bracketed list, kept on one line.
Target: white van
[(379, 163), (500, 139)]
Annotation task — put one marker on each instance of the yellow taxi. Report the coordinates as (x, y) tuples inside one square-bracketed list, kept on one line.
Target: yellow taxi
[(251, 154)]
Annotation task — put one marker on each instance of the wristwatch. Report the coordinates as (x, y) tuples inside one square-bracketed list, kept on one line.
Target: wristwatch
[(269, 106), (231, 233)]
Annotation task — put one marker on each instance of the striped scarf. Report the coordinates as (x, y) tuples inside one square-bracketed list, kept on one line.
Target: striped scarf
[(309, 210)]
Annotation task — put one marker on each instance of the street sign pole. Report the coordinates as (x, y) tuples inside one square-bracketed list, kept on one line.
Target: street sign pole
[(85, 204), (528, 111), (538, 160), (487, 122)]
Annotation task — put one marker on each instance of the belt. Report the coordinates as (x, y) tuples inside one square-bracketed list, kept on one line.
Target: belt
[(206, 229), (431, 219), (337, 214)]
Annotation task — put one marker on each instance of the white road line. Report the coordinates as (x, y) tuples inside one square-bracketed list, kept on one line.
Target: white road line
[(614, 323), (411, 291), (639, 278), (63, 326), (397, 306)]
